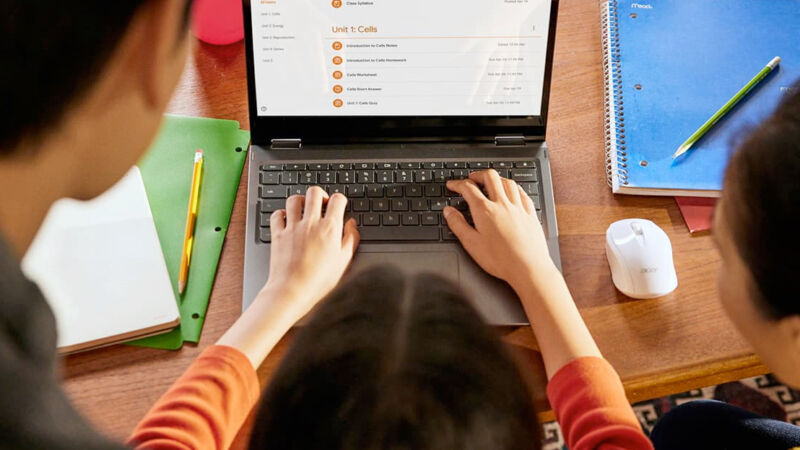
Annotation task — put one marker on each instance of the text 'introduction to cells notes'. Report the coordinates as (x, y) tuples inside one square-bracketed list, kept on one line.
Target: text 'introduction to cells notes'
[(400, 58)]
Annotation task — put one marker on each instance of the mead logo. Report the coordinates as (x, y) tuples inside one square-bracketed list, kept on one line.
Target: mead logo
[(641, 6)]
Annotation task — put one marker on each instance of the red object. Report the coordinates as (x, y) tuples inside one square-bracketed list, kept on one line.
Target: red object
[(697, 212), (590, 405), (218, 22)]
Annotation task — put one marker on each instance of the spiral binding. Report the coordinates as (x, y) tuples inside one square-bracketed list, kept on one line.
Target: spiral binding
[(616, 154)]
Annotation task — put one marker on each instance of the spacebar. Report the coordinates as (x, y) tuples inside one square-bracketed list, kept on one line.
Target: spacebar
[(399, 233)]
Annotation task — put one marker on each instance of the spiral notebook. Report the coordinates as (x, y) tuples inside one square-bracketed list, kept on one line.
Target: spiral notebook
[(669, 65)]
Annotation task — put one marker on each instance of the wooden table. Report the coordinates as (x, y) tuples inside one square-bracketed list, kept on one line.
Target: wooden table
[(679, 342)]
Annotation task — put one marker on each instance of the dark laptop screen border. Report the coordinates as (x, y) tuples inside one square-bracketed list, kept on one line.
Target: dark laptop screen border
[(347, 129)]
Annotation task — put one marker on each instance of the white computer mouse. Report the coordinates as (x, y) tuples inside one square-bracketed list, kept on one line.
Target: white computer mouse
[(640, 256)]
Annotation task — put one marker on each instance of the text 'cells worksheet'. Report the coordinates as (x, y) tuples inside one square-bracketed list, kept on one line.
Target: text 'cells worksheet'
[(400, 57)]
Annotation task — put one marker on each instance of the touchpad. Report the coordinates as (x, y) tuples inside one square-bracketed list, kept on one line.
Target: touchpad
[(444, 263)]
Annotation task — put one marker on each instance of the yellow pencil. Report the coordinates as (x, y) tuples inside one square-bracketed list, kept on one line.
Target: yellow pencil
[(191, 217)]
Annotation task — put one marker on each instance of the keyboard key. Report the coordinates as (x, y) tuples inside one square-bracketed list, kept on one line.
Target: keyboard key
[(419, 204), (423, 176), (300, 189), (433, 190), (394, 191), (326, 177), (342, 166), (524, 175), (351, 215), (505, 173), (502, 165), (318, 166), (355, 190), (380, 204), (269, 177), (524, 164), (391, 219), (404, 176), (409, 165), (530, 188), (432, 165), (307, 178), (411, 218), (361, 205), (456, 165), (346, 177), (448, 235), (537, 203), (363, 166), (271, 205), (365, 176), (263, 219), (413, 190), (438, 204), (399, 204), (400, 234), (459, 203), (371, 219), (384, 176), (430, 218), (336, 189), (290, 177), (264, 235), (440, 176), (385, 165), (478, 165), (460, 174), (374, 190), (295, 166), (271, 166), (272, 191)]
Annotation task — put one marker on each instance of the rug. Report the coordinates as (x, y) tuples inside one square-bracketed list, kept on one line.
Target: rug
[(763, 395)]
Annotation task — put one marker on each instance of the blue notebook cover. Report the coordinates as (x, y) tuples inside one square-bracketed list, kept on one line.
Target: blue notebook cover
[(670, 65)]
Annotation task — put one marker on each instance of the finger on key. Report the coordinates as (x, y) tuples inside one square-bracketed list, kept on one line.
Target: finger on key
[(470, 191), (527, 203), (512, 191), (277, 222), (350, 236), (294, 209), (458, 225), (336, 206), (315, 198), (490, 180)]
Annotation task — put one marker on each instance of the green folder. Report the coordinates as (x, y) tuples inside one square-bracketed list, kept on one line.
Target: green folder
[(167, 175)]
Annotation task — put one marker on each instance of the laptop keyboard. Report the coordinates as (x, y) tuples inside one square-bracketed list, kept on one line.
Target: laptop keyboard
[(391, 201)]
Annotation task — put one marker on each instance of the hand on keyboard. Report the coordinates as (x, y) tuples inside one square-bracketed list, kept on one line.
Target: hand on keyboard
[(507, 240), (310, 252)]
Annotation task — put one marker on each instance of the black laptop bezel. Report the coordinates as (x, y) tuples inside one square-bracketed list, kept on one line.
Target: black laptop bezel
[(346, 129)]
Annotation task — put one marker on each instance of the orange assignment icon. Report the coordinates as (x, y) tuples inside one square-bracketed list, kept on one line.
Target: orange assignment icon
[(337, 60), (338, 89), (338, 103), (336, 3), (337, 75), (337, 45)]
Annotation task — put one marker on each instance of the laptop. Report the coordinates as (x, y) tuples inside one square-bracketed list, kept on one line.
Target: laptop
[(384, 101)]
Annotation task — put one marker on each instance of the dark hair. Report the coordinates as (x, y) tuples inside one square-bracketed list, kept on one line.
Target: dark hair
[(52, 52), (762, 207), (393, 361)]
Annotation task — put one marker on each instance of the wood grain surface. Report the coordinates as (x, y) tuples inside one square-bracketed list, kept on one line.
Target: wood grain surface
[(660, 346)]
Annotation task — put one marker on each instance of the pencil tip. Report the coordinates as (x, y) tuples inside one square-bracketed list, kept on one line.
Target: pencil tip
[(681, 150), (181, 287)]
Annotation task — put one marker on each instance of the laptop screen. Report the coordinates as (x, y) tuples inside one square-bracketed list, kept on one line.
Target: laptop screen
[(399, 58)]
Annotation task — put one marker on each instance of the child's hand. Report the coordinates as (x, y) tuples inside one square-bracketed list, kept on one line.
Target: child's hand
[(507, 240), (310, 252)]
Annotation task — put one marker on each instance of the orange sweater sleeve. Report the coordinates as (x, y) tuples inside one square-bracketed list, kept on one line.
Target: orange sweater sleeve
[(590, 405), (205, 407)]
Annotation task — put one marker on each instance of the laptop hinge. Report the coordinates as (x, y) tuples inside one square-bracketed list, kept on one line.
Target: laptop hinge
[(287, 144), (513, 140)]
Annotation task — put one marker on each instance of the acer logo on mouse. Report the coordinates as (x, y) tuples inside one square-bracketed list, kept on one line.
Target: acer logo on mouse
[(649, 270)]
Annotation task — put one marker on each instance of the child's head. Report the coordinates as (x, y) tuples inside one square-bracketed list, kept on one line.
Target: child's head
[(394, 361), (84, 84), (757, 230)]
